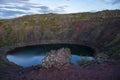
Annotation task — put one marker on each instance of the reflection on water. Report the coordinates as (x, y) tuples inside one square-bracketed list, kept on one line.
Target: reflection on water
[(76, 58), (30, 56), (25, 61)]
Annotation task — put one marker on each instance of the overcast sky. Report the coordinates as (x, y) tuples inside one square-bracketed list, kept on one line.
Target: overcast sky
[(16, 8)]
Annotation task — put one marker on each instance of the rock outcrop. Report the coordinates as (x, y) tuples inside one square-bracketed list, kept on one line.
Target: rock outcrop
[(57, 58)]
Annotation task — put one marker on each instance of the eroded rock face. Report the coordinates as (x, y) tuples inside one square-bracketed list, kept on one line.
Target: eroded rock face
[(57, 58)]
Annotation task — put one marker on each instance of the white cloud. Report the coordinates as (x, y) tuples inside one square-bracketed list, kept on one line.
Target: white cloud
[(13, 8)]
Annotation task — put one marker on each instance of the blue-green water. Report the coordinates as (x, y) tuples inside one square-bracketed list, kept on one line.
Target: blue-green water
[(33, 55)]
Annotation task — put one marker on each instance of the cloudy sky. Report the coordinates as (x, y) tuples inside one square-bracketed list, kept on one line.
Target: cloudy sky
[(16, 8)]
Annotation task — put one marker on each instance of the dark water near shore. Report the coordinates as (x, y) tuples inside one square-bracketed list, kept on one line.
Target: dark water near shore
[(33, 55)]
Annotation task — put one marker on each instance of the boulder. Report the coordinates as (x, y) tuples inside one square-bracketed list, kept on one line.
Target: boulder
[(57, 58)]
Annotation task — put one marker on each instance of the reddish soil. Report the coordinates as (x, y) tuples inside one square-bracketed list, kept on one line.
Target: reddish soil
[(104, 71)]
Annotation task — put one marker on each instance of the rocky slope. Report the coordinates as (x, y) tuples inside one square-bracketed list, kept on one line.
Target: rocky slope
[(100, 30)]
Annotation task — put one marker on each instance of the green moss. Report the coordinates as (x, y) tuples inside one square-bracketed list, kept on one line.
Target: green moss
[(22, 32)]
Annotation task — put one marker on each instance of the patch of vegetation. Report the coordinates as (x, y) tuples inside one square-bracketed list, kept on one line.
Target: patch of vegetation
[(55, 30), (8, 40), (32, 22), (115, 51), (84, 62), (3, 64), (1, 22), (41, 31), (115, 40), (43, 23), (84, 16), (22, 32)]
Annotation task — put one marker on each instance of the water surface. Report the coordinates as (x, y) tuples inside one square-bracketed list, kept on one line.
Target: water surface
[(33, 55)]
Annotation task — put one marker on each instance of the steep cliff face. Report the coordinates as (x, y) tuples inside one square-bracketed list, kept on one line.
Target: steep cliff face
[(100, 30)]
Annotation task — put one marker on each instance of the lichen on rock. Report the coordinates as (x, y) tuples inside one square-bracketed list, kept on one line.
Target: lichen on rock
[(57, 58)]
